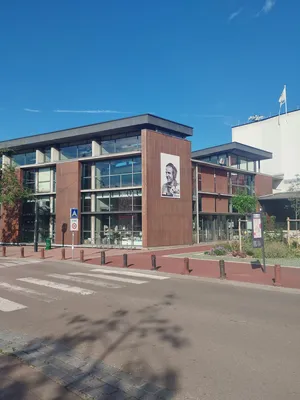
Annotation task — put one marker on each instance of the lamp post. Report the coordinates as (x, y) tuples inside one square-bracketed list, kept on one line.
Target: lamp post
[(36, 225)]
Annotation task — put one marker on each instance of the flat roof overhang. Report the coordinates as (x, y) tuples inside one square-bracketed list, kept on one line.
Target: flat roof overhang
[(280, 196), (102, 129), (235, 148)]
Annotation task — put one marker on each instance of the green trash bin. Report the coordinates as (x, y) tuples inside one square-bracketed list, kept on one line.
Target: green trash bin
[(48, 244)]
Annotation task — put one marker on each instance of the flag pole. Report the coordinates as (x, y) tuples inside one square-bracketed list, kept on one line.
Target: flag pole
[(285, 99)]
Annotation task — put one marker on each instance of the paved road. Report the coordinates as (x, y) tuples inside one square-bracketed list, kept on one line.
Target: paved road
[(200, 340)]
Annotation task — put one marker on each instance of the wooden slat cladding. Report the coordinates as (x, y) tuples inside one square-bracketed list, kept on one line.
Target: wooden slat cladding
[(208, 204), (221, 181), (67, 196), (207, 179), (221, 205), (165, 221)]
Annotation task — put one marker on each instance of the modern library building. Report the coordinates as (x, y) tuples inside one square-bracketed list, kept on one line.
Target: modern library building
[(135, 183)]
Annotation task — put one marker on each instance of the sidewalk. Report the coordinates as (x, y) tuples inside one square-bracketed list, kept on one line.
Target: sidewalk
[(45, 369), (19, 381)]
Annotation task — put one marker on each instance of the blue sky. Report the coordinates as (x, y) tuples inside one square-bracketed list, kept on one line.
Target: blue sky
[(208, 64)]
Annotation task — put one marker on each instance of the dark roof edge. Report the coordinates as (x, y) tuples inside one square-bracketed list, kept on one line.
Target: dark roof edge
[(121, 123), (232, 145)]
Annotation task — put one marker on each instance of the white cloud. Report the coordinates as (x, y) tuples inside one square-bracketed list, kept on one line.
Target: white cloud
[(32, 110), (234, 14), (91, 111), (267, 7)]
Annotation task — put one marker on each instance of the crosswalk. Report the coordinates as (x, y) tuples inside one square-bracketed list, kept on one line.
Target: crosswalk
[(54, 285), (16, 262)]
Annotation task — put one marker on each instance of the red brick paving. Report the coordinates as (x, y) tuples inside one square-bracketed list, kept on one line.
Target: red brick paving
[(235, 271)]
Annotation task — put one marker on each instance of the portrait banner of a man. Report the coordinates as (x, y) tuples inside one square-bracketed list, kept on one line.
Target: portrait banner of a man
[(170, 175)]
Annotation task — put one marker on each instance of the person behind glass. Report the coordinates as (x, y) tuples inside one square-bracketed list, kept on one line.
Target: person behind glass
[(171, 187)]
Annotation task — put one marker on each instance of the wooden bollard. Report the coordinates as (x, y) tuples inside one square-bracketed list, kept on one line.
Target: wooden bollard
[(63, 253), (3, 251), (186, 266), (22, 252), (102, 259), (222, 269), (43, 254), (82, 256), (277, 278), (125, 262)]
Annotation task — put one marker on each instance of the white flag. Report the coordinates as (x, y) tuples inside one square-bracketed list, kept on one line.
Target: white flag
[(282, 98)]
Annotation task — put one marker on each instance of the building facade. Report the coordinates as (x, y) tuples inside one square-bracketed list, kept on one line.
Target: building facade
[(279, 136), (135, 183)]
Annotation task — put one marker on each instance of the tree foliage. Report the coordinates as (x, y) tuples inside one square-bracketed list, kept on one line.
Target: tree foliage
[(11, 189), (243, 203), (295, 198)]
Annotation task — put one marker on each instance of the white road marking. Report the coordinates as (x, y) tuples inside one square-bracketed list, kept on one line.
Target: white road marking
[(27, 292), (8, 306), (17, 262), (110, 278), (87, 281), (58, 286), (130, 273)]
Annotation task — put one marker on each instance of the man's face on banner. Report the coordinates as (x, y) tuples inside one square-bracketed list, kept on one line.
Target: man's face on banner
[(169, 174)]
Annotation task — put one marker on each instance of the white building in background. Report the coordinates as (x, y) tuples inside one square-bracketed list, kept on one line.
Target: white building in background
[(281, 136)]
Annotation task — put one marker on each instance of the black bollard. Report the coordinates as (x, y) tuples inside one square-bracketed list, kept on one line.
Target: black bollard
[(125, 264), (222, 269), (102, 257)]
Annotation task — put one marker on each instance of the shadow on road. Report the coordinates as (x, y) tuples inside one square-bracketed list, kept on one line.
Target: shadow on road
[(123, 331)]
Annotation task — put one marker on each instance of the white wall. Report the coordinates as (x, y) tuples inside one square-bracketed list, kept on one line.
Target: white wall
[(282, 139)]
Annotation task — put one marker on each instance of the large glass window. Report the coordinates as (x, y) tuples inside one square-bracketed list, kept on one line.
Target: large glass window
[(44, 180), (102, 201), (86, 172), (75, 151), (29, 179), (86, 228), (121, 145), (86, 202), (241, 183), (119, 200), (24, 158), (47, 155), (117, 173)]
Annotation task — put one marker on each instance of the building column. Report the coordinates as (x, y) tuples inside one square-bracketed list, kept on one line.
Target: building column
[(39, 157), (54, 154), (96, 149)]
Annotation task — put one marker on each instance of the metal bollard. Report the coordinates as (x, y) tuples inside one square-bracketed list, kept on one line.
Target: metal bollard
[(125, 263), (63, 253), (42, 254), (22, 252), (3, 251), (222, 269), (102, 261), (82, 256), (277, 278), (153, 262)]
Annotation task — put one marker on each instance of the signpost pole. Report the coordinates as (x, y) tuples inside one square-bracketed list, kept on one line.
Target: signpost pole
[(263, 243), (72, 245)]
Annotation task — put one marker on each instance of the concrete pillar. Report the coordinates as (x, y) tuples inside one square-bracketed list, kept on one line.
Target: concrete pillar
[(93, 174), (54, 154), (6, 160), (40, 157), (96, 149)]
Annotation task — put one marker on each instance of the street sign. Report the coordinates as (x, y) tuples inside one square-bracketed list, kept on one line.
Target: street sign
[(257, 231), (258, 235), (73, 212), (74, 224)]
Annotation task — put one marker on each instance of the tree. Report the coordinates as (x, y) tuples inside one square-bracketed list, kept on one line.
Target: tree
[(11, 189), (244, 203), (295, 195)]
